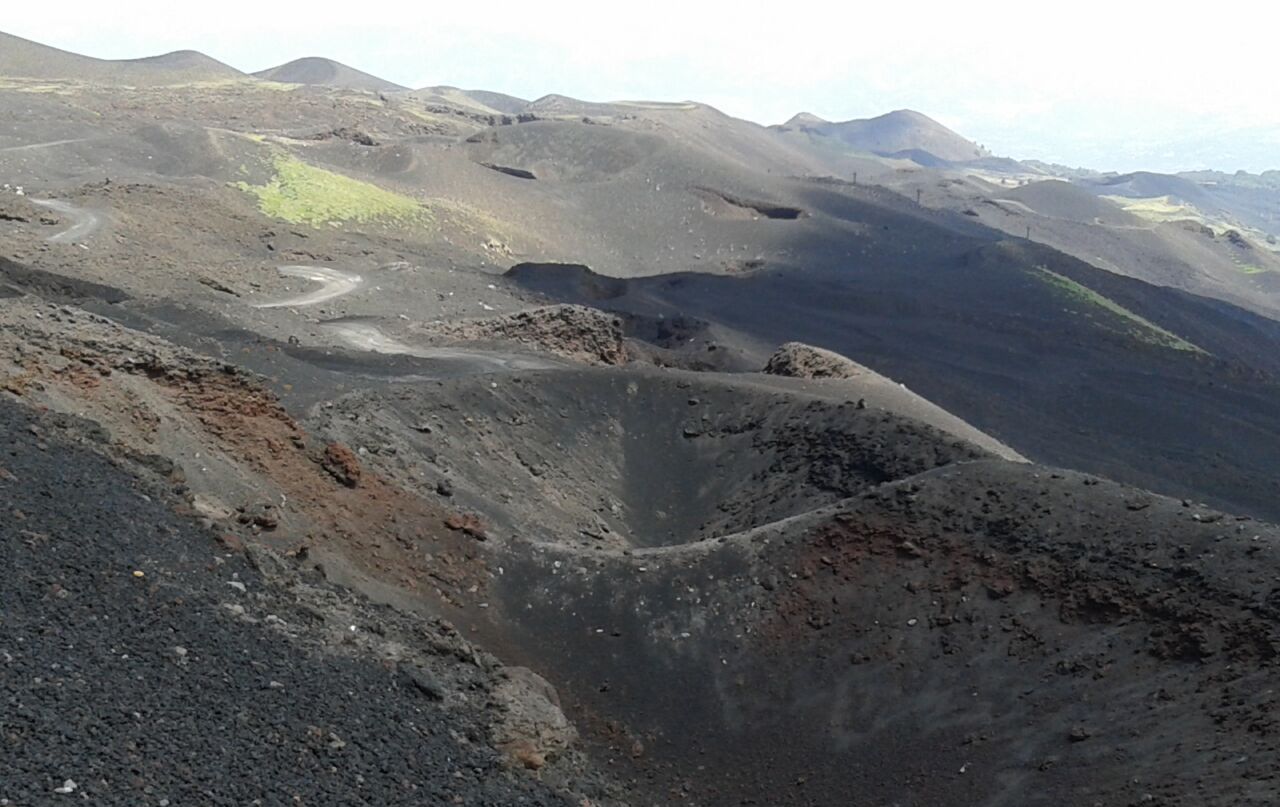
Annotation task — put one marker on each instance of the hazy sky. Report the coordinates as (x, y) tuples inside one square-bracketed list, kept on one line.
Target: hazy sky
[(1109, 85)]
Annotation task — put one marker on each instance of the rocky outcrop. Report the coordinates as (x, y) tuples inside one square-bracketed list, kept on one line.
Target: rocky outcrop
[(357, 136), (16, 208), (342, 464), (533, 730), (798, 360), (574, 332)]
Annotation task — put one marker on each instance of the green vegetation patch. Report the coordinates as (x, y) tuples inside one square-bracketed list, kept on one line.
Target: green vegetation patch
[(1144, 330), (303, 194), (1160, 209), (1165, 210), (1253, 269)]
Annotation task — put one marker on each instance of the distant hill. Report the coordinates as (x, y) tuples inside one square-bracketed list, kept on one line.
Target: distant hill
[(903, 133), (1061, 171), (22, 58), (323, 72), (1060, 199), (1236, 201), (483, 100), (555, 104), (1145, 184), (475, 101), (806, 120), (562, 105), (506, 104)]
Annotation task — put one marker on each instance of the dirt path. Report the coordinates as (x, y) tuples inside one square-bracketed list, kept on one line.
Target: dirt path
[(84, 222), (365, 336), (50, 144), (334, 283)]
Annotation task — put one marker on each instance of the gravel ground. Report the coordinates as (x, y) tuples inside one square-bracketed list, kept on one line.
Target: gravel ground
[(142, 664)]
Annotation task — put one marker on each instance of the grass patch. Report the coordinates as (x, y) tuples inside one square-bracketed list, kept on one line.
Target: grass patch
[(1142, 329), (1253, 269), (253, 136), (37, 86), (220, 84), (1164, 210), (1158, 208), (303, 194), (273, 86)]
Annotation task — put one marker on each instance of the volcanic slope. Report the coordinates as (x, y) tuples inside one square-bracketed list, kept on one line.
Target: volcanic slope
[(890, 612), (1065, 363), (782, 245), (786, 590)]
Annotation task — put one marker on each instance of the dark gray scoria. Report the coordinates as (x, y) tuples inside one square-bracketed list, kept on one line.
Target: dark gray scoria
[(127, 675)]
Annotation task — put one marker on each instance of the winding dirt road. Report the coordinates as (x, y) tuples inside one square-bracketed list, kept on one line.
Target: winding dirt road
[(333, 283), (84, 222), (365, 336)]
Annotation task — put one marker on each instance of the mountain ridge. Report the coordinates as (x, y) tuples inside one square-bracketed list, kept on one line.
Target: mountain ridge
[(23, 58)]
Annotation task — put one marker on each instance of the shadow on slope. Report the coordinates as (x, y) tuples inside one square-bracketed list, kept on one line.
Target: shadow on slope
[(984, 634), (1074, 366)]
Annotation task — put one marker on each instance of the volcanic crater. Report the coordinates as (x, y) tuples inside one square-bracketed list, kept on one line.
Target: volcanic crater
[(633, 459)]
